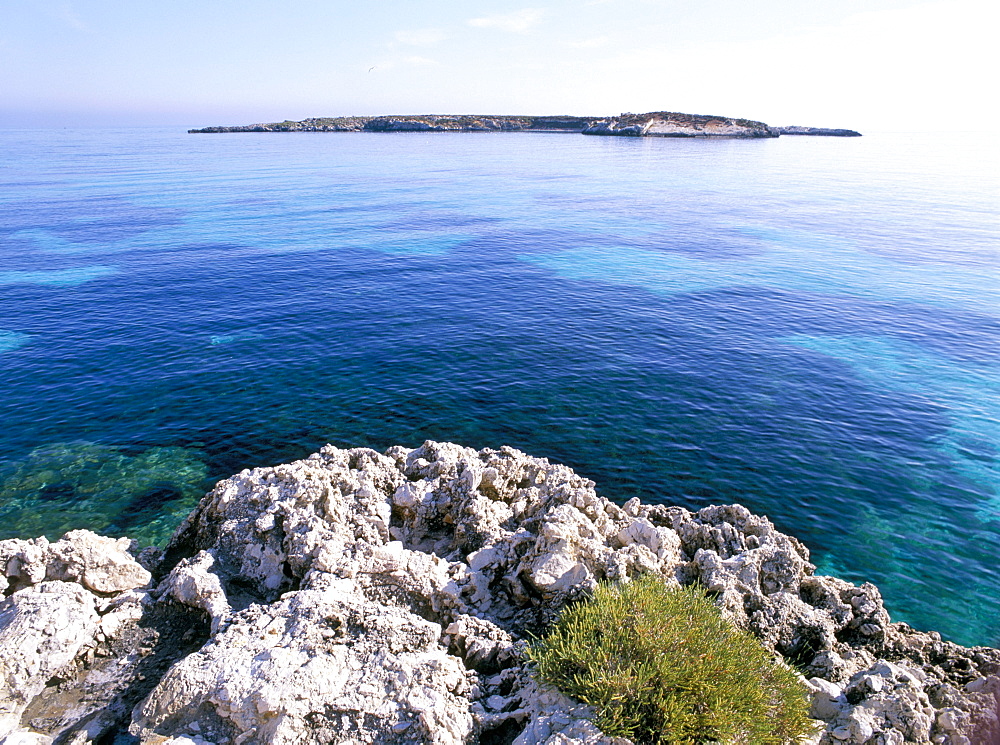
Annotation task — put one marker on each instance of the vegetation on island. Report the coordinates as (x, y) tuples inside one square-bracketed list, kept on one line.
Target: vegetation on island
[(420, 122), (660, 664), (650, 124)]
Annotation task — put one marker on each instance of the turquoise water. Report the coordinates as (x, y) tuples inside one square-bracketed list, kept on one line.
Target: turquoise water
[(808, 326)]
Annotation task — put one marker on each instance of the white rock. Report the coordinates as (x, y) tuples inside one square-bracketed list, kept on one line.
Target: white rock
[(274, 683), (24, 737), (950, 718), (193, 583), (827, 699), (42, 628), (386, 598), (23, 563), (101, 564)]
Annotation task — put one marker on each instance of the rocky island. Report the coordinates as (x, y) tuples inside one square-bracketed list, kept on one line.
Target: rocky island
[(365, 597), (818, 132), (652, 124)]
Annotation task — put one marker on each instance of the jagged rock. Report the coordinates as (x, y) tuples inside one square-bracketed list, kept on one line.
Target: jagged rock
[(193, 584), (887, 702), (316, 666), (827, 699), (103, 565), (482, 644), (42, 628), (22, 563), (364, 597), (51, 616), (78, 637), (554, 719)]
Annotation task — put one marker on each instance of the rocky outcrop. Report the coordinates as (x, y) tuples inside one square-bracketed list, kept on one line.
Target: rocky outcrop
[(81, 639), (817, 131), (652, 124), (673, 124), (364, 597)]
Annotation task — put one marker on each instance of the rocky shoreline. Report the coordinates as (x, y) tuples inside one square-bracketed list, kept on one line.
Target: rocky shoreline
[(651, 124), (365, 597), (818, 132)]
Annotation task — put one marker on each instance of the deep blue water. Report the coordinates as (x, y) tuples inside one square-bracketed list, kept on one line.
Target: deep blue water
[(808, 326)]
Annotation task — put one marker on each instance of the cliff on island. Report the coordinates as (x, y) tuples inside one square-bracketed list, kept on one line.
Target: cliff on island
[(366, 597), (652, 124)]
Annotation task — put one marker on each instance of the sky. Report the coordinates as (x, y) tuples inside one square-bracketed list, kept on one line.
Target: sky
[(888, 65)]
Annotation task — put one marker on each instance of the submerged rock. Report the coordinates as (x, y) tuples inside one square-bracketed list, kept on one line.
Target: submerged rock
[(105, 488), (364, 597)]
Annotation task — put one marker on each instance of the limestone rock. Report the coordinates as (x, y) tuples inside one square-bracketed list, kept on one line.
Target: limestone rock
[(362, 597), (103, 565), (42, 628), (26, 738), (886, 700), (77, 642), (674, 124), (22, 563), (316, 666), (554, 719), (193, 584)]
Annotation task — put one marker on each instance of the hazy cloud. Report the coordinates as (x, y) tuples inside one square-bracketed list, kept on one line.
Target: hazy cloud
[(68, 15), (595, 43), (421, 37), (517, 22), (402, 61), (419, 61)]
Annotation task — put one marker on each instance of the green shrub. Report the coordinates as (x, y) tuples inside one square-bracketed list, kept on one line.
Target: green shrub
[(660, 664)]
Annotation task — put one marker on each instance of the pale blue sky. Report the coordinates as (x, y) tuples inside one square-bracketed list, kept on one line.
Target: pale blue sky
[(867, 64)]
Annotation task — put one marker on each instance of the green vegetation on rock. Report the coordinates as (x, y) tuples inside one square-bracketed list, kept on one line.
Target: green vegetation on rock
[(659, 664)]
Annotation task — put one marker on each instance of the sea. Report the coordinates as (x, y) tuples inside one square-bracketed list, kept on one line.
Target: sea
[(808, 326)]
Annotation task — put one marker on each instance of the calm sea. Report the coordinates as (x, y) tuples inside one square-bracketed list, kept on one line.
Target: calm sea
[(809, 326)]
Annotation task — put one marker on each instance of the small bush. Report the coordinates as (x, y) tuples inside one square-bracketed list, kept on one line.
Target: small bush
[(660, 664)]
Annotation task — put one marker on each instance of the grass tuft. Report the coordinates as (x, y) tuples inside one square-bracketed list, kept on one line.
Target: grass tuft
[(660, 664)]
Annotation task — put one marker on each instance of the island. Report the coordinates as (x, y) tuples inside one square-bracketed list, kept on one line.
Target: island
[(818, 131), (387, 597), (650, 124)]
